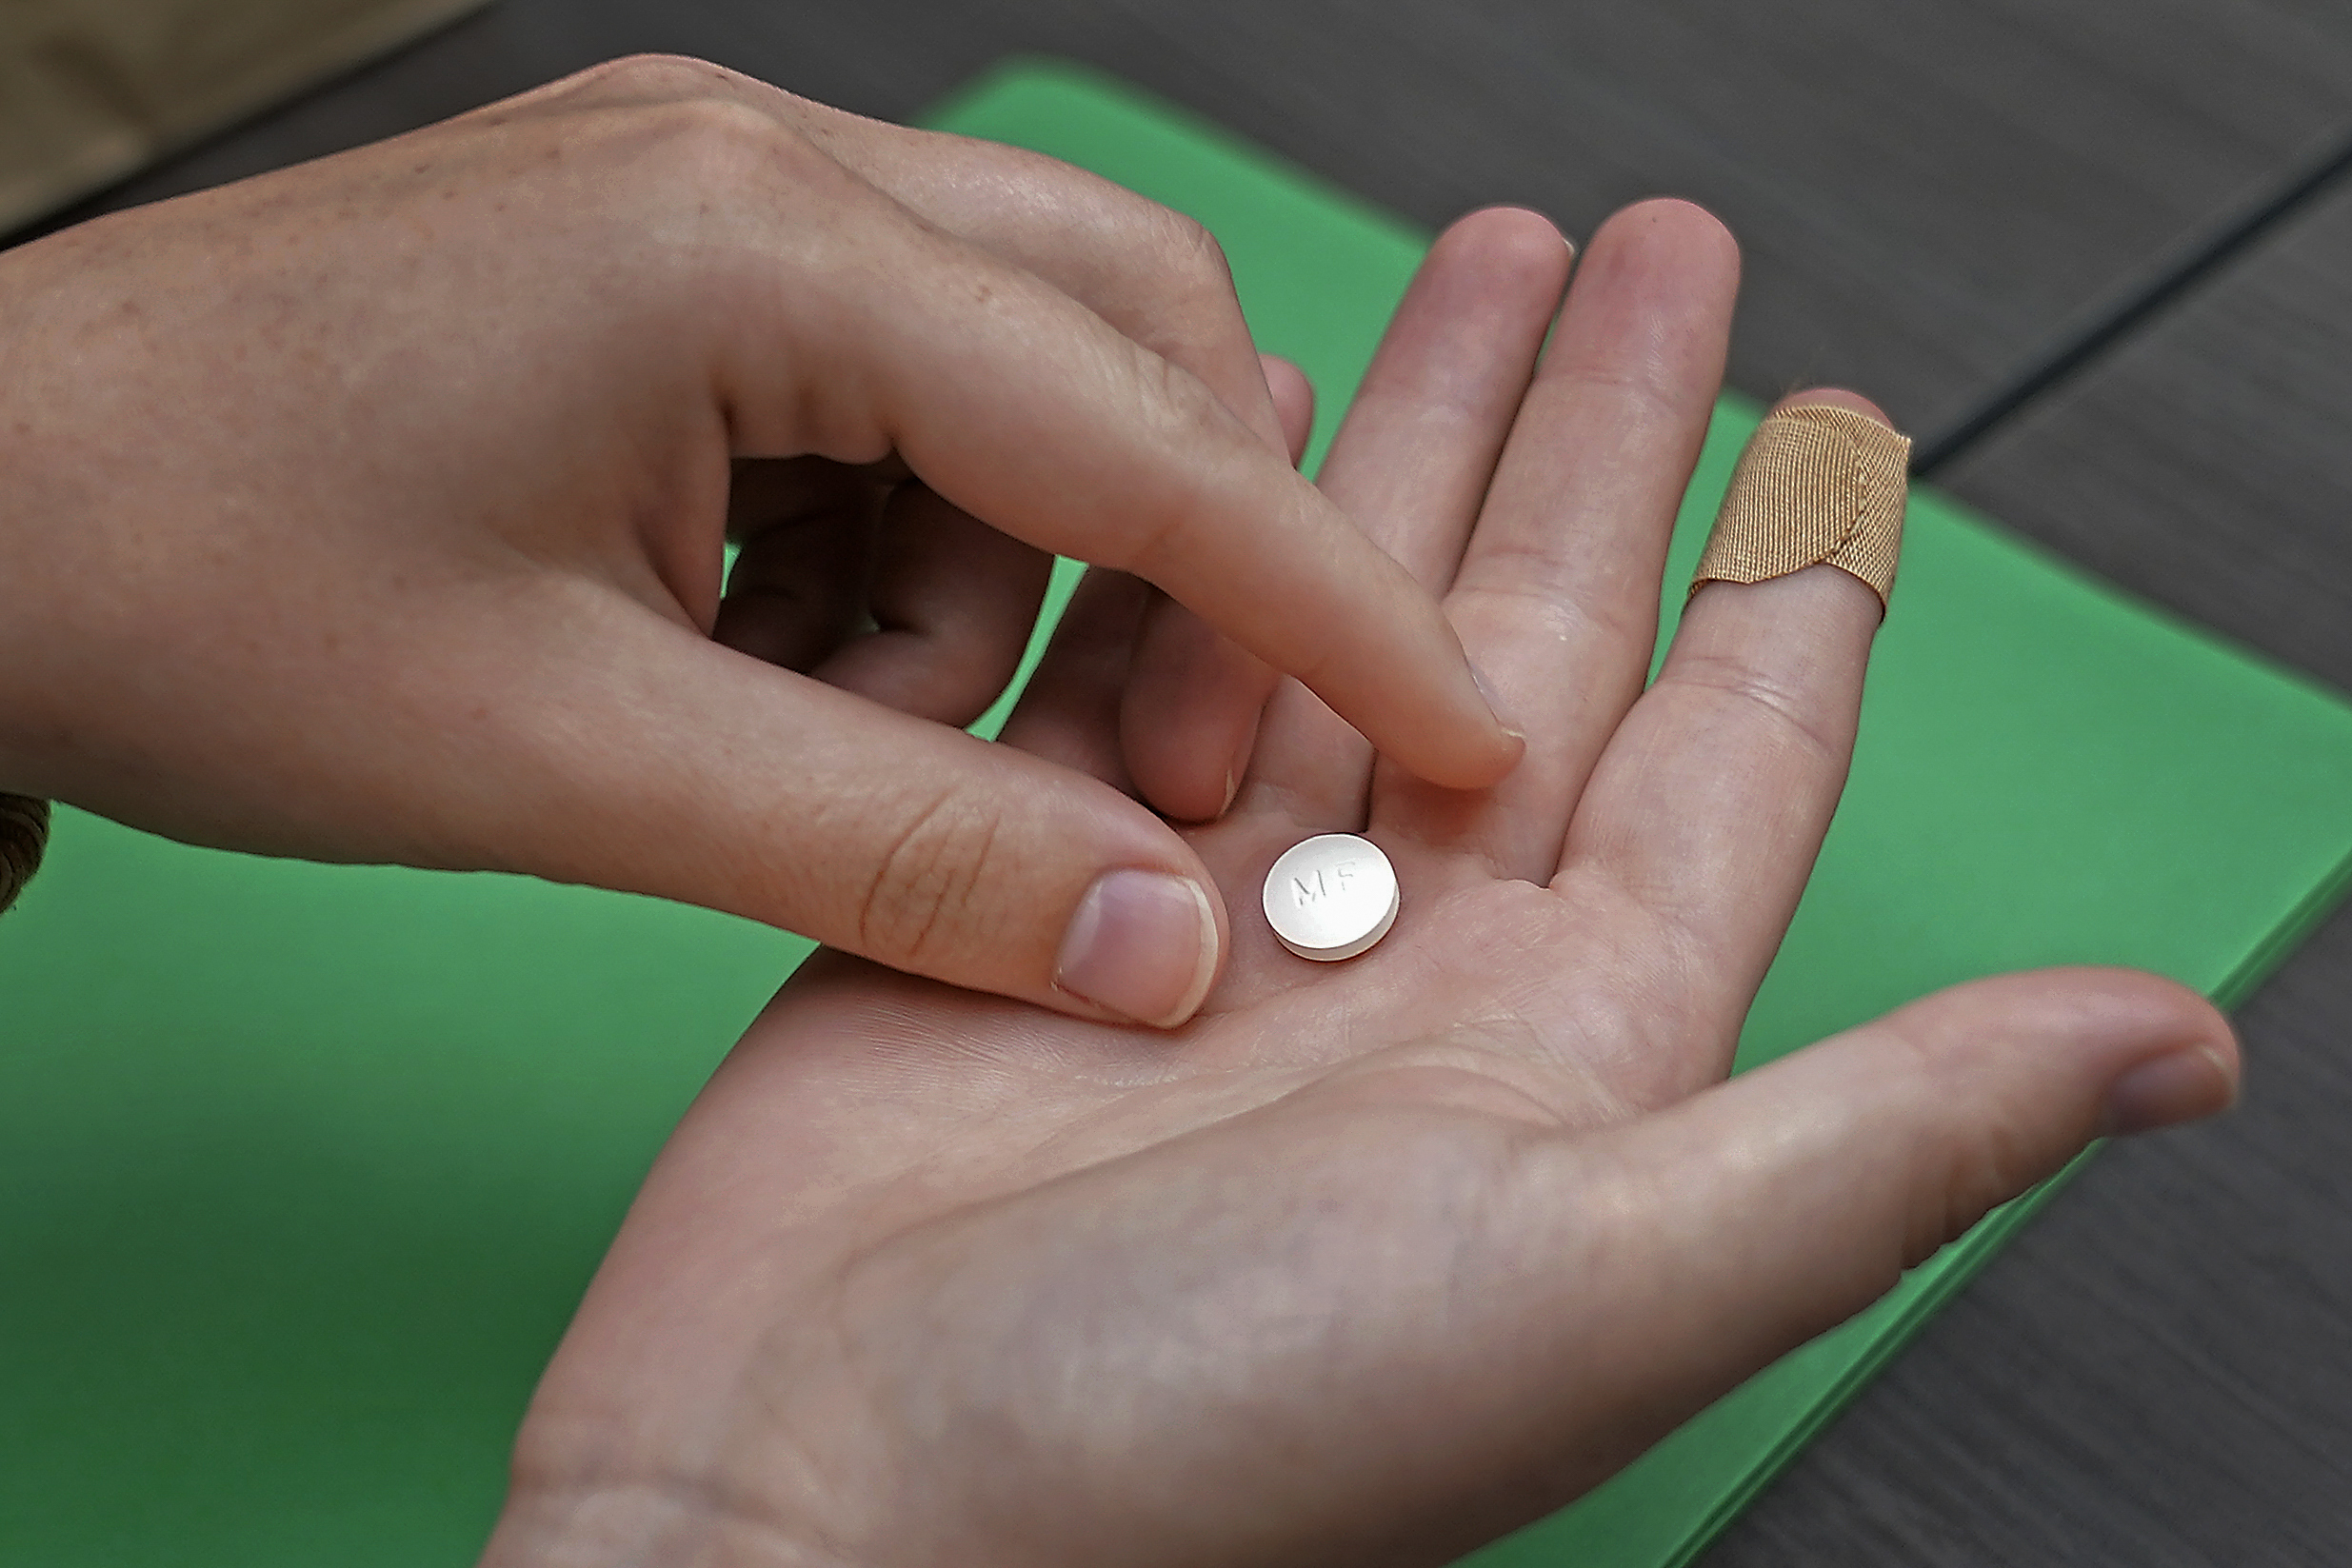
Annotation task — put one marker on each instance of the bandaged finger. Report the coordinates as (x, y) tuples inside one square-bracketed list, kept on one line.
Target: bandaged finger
[(1818, 486)]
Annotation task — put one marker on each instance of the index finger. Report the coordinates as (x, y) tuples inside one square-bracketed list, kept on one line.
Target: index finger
[(1194, 698), (1029, 412)]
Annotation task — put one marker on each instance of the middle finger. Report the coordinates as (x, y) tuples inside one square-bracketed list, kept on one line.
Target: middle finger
[(1410, 465), (1556, 601)]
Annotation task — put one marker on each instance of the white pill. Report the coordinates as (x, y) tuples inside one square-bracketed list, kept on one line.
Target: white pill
[(1332, 897)]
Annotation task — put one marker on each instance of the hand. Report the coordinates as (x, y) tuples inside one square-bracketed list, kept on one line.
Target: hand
[(375, 510), (1374, 1261)]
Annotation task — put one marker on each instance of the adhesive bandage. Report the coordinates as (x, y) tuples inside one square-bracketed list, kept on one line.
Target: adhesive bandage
[(1818, 486)]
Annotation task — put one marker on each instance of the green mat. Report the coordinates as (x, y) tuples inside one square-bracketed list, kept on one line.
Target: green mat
[(302, 1168)]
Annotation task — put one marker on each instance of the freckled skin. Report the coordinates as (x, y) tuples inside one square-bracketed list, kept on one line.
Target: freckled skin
[(1373, 1260), (377, 509)]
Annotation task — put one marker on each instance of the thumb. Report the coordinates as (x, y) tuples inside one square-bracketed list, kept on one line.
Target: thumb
[(658, 763), (1770, 1208)]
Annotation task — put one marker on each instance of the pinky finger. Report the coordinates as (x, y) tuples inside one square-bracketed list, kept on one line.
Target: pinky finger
[(1069, 714), (1294, 403), (954, 601)]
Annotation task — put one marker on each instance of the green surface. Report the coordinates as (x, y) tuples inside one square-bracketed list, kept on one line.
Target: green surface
[(301, 1168)]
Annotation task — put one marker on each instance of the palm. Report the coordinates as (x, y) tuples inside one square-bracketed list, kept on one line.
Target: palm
[(1324, 1144), (1372, 1260)]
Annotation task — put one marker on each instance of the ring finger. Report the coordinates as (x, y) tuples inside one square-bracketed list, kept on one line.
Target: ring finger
[(1705, 813)]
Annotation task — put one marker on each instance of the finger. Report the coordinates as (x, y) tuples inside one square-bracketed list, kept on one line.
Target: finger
[(1194, 696), (1188, 718), (1411, 464), (1556, 598), (798, 588), (1294, 404), (1026, 410), (1706, 809), (954, 601), (1154, 275), (1701, 1243), (664, 764), (1069, 713)]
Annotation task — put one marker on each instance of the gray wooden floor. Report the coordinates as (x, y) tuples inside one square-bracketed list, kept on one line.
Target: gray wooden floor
[(1935, 199)]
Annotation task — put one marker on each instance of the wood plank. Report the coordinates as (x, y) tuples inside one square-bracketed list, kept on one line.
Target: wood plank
[(2159, 1373), (1925, 192), (2207, 463), (2156, 1373)]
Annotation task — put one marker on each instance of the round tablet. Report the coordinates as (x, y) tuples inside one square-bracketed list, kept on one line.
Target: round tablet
[(1332, 897)]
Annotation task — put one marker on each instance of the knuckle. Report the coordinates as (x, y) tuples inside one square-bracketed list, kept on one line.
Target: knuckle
[(1190, 255), (1183, 415), (1984, 1136), (691, 128), (1182, 398), (651, 78), (1648, 392), (1776, 701), (923, 899), (719, 139), (1195, 284), (1131, 236), (1174, 290), (1980, 1169)]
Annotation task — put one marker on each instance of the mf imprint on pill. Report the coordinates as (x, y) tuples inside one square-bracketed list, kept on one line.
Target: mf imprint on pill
[(1332, 897)]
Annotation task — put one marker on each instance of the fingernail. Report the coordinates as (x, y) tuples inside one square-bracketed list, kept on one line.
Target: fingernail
[(1494, 704), (2179, 1088), (1142, 944)]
